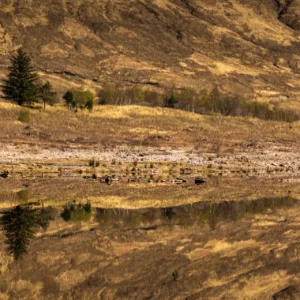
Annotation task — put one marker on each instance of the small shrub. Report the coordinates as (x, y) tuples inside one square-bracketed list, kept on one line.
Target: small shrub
[(24, 116), (92, 163), (90, 104), (68, 97), (87, 207)]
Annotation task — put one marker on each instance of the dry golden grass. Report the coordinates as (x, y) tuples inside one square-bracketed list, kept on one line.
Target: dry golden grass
[(138, 126)]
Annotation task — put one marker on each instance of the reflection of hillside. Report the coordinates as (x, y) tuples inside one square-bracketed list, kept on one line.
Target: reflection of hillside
[(20, 223), (124, 256)]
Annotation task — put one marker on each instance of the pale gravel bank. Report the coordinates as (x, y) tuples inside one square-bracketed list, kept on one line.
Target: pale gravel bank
[(276, 157)]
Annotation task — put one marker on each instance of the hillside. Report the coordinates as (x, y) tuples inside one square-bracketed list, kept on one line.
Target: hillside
[(249, 48)]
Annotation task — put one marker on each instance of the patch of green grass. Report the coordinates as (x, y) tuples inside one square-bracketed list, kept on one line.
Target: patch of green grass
[(23, 196), (24, 116)]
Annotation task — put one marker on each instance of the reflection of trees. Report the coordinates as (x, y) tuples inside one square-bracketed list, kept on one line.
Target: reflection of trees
[(168, 212), (187, 216), (77, 212), (214, 213), (19, 224), (105, 216)]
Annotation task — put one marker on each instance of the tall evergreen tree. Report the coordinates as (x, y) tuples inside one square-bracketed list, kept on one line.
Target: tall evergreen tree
[(20, 84)]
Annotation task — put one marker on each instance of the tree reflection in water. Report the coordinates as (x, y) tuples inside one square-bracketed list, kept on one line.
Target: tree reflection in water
[(19, 225)]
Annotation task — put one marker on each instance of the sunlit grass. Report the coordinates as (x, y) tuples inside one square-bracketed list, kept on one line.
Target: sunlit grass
[(136, 125)]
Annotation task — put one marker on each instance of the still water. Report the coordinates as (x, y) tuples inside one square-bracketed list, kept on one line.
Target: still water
[(20, 224)]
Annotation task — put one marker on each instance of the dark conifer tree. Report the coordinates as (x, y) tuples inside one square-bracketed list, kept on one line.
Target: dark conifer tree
[(20, 84), (171, 101)]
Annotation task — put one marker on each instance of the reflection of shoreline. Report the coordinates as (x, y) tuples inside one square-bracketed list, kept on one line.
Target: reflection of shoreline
[(192, 214), (21, 223)]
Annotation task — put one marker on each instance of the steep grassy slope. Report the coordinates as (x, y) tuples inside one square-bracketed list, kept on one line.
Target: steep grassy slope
[(248, 47)]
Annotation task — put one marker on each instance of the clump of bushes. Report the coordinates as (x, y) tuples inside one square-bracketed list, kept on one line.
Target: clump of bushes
[(202, 102), (117, 95), (77, 212), (214, 102), (79, 98)]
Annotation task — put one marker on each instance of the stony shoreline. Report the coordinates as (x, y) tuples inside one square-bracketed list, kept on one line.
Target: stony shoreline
[(277, 161)]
